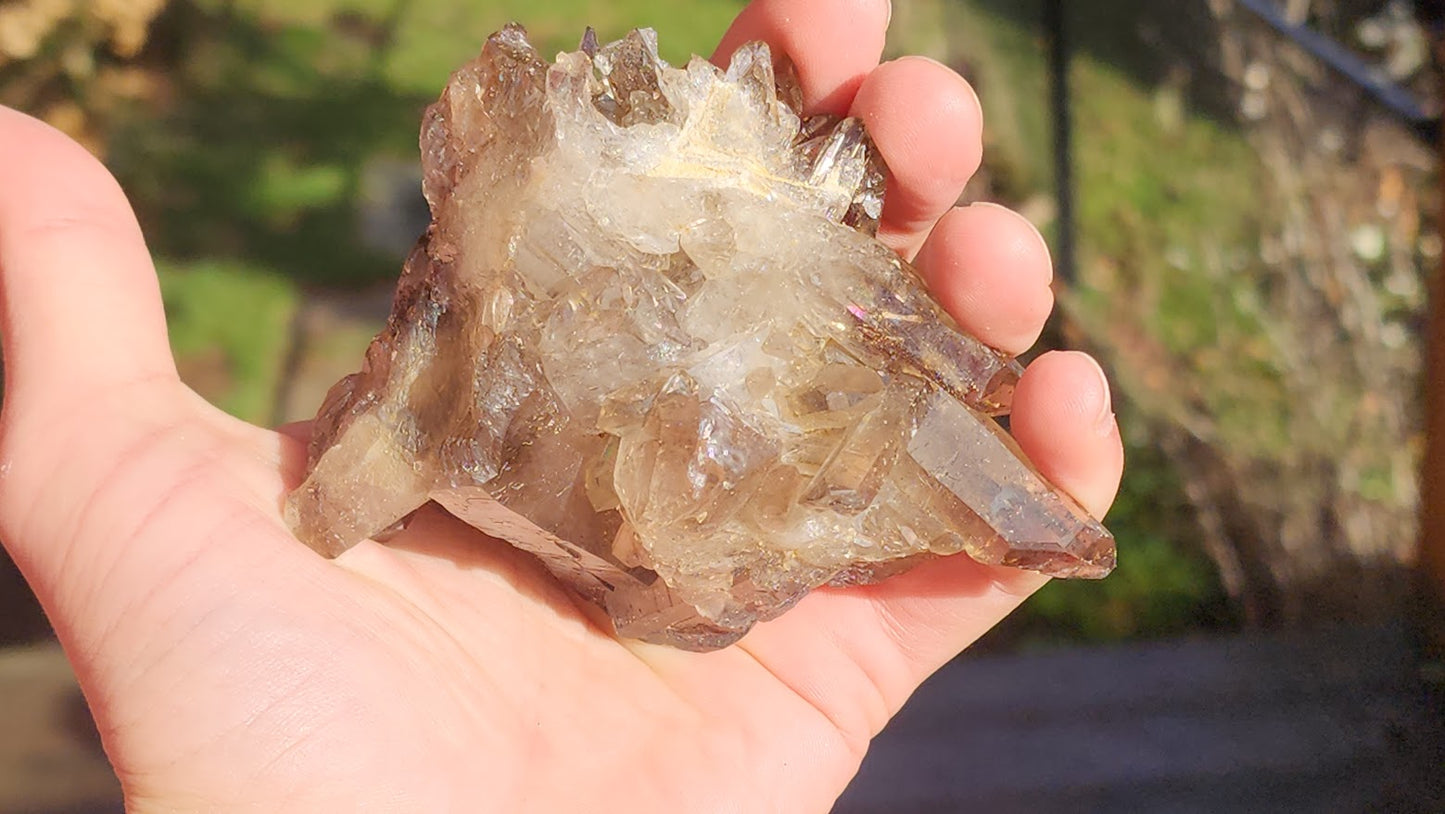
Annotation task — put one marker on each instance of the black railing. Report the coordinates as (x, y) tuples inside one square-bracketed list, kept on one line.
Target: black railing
[(1423, 119), (1349, 65), (1056, 28)]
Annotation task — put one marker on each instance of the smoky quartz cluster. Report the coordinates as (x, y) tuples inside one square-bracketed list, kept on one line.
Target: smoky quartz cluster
[(649, 338)]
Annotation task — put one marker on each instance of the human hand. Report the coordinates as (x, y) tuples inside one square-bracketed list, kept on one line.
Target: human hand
[(230, 668)]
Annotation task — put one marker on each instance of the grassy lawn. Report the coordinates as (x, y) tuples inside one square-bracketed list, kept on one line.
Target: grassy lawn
[(433, 37), (229, 326)]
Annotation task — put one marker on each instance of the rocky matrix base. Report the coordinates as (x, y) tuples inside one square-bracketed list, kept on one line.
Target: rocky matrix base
[(650, 338)]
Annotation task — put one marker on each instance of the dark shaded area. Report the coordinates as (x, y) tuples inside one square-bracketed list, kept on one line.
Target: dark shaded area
[(80, 725), (263, 154), (1058, 32), (1142, 38), (116, 807), (21, 620), (1338, 720), (1398, 100)]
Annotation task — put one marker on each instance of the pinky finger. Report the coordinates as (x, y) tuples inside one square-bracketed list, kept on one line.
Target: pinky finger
[(1064, 419)]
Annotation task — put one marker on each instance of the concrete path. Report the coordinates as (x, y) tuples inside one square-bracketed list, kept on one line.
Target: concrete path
[(1330, 722), (1333, 722), (50, 756)]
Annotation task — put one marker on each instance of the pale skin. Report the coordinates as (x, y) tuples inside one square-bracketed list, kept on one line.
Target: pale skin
[(231, 669)]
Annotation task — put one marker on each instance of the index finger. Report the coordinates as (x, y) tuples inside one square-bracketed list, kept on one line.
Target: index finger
[(832, 43)]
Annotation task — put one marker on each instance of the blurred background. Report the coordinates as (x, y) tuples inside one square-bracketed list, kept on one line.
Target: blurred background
[(1242, 197)]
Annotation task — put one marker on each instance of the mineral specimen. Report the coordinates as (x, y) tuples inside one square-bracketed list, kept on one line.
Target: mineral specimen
[(650, 338)]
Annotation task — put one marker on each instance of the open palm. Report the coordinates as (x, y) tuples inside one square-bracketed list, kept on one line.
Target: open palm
[(229, 667)]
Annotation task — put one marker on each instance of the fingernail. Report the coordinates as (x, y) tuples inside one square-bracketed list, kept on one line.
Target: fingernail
[(948, 69), (1104, 423)]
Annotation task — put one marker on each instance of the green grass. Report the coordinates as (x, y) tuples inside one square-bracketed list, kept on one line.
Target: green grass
[(229, 328), (1164, 216), (433, 37)]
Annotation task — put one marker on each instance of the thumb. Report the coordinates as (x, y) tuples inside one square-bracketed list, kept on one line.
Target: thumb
[(89, 377), (82, 308)]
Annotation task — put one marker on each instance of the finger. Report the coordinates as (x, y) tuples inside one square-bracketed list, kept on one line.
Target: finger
[(928, 125), (89, 381), (990, 268), (1063, 417), (858, 653), (832, 43), (81, 306)]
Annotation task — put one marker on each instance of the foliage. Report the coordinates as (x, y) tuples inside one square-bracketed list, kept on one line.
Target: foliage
[(282, 109), (65, 61), (229, 327)]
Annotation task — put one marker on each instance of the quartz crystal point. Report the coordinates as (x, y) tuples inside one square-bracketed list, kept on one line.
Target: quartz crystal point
[(650, 338)]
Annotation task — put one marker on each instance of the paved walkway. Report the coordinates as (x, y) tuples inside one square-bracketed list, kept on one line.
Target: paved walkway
[(1329, 722), (1333, 722), (50, 757)]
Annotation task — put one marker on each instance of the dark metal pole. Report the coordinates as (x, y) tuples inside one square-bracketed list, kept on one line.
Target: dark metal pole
[(1056, 30), (1398, 100), (1430, 611)]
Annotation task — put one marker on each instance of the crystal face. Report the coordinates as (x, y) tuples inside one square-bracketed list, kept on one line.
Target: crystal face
[(650, 338)]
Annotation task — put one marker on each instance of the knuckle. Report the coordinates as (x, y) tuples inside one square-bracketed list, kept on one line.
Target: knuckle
[(82, 222)]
